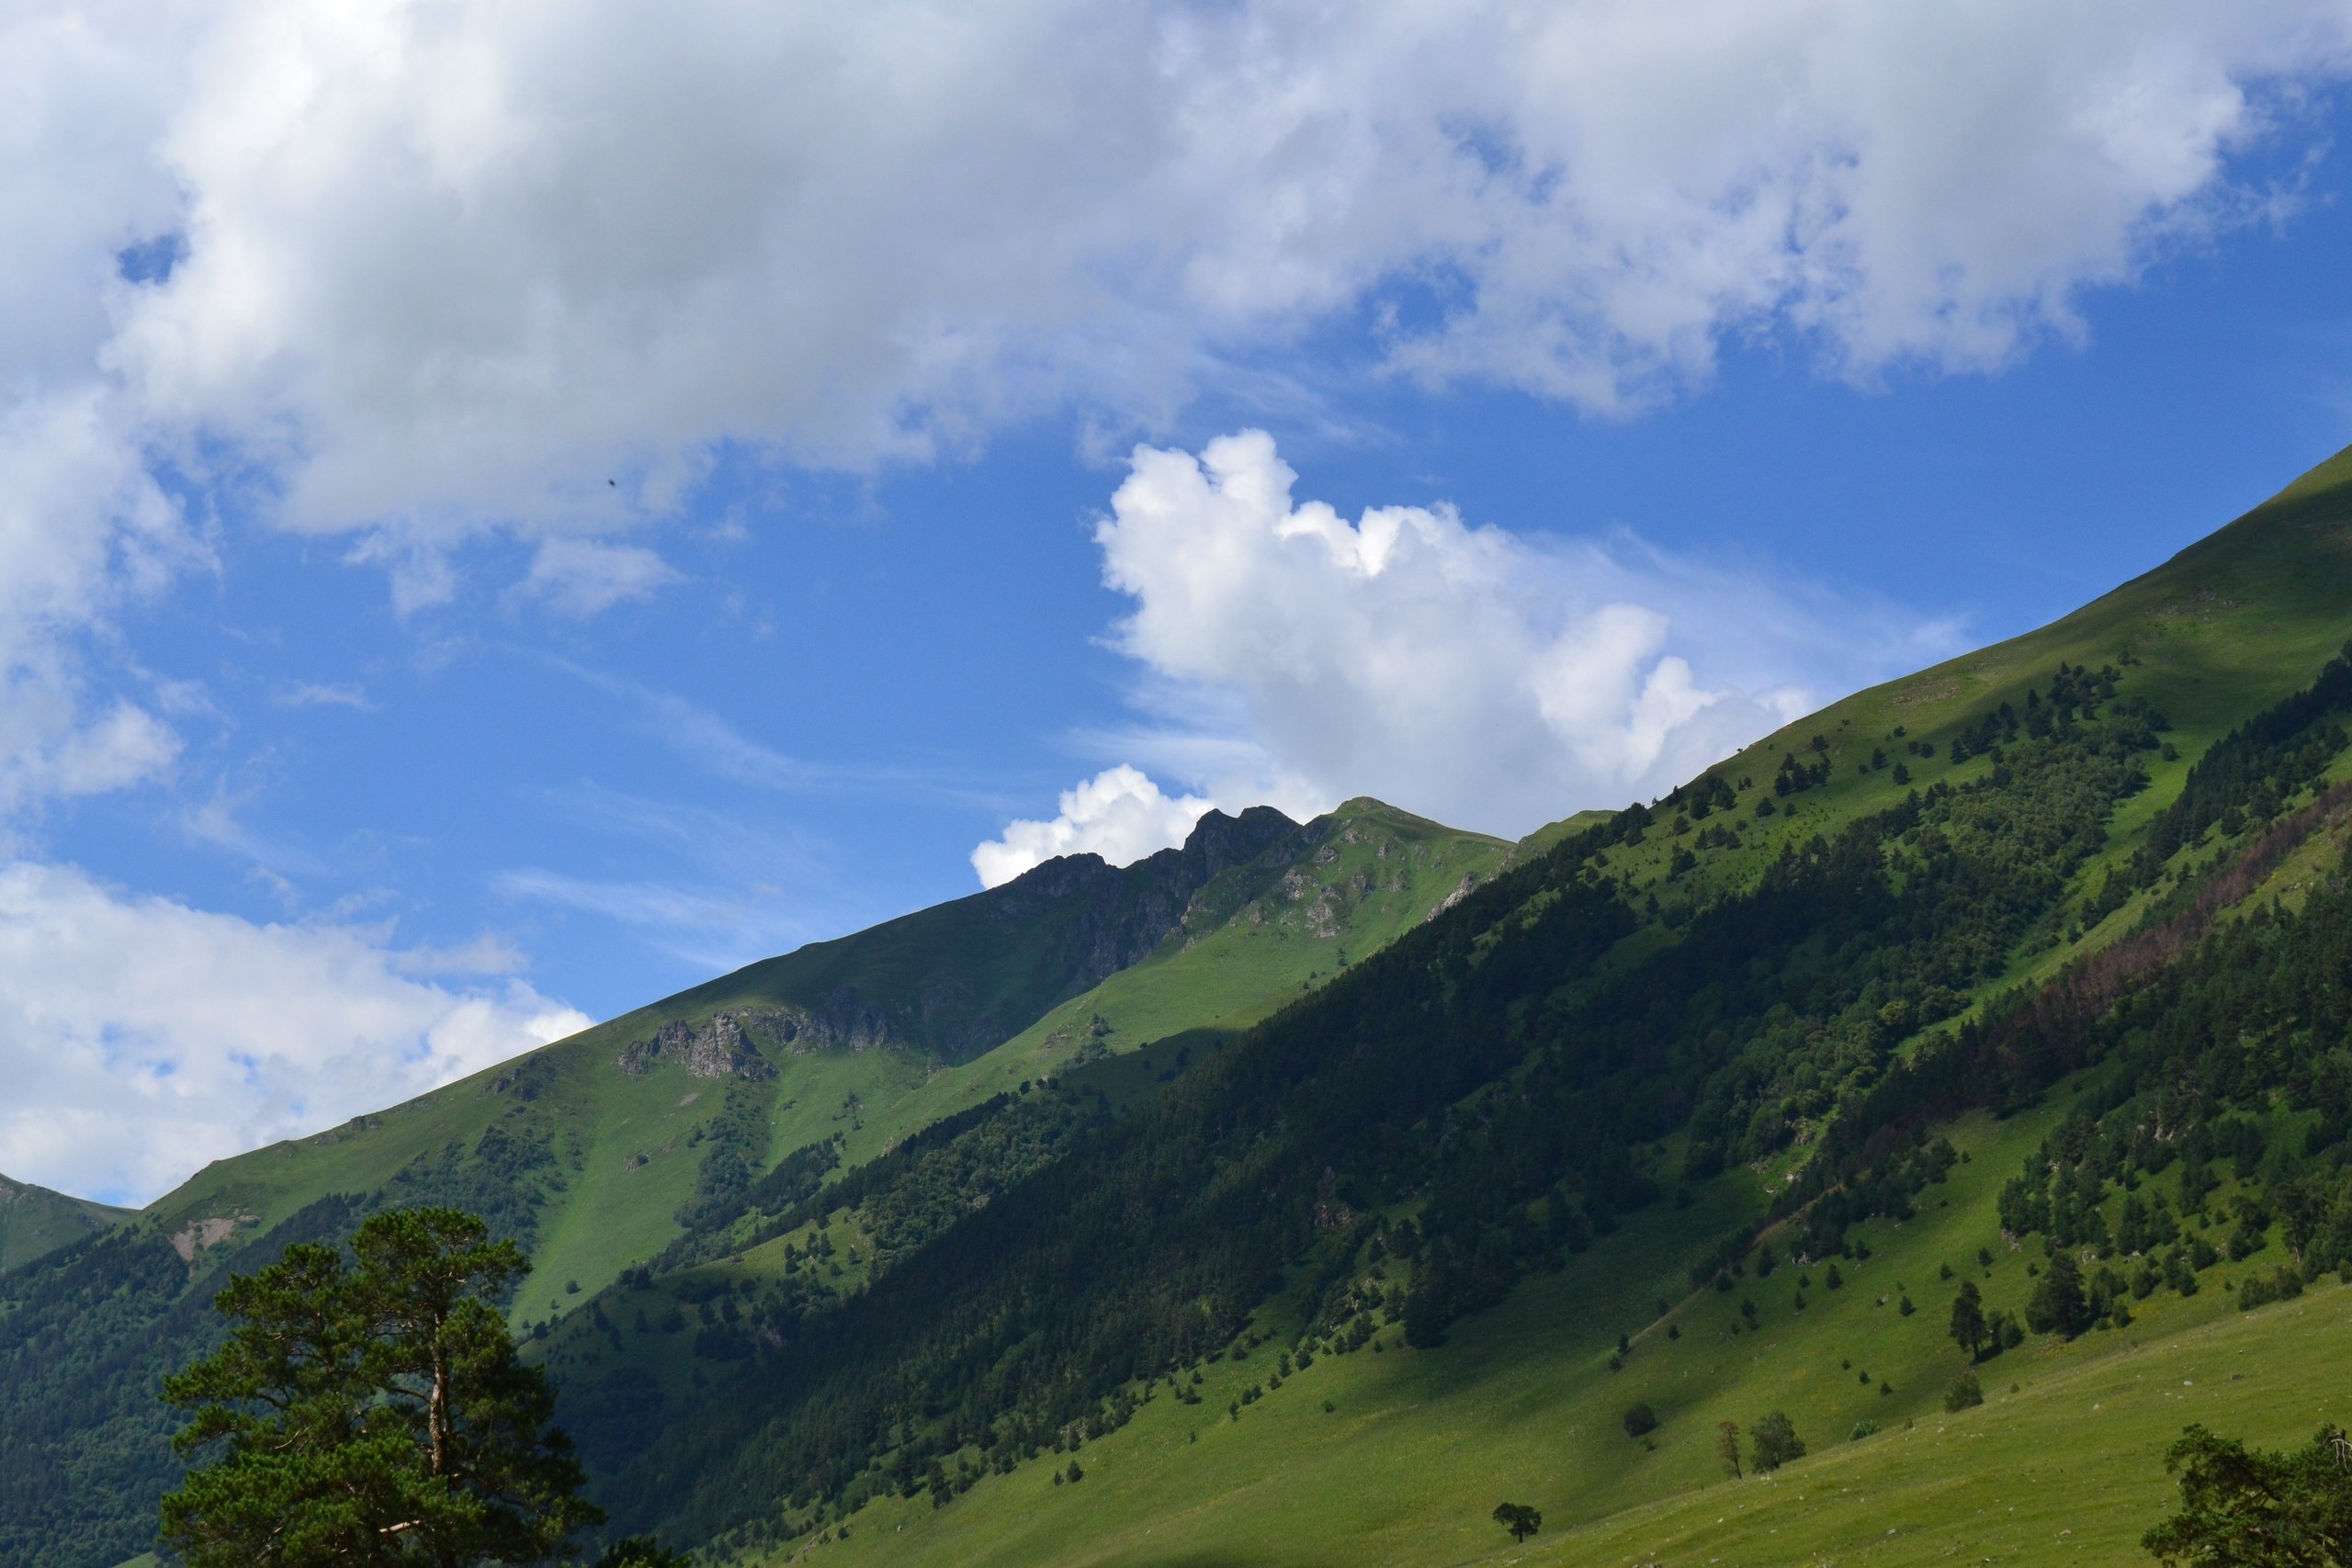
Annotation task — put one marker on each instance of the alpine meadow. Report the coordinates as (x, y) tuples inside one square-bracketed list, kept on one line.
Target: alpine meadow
[(1886, 1145)]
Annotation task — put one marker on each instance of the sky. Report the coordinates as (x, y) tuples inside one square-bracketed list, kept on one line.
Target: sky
[(510, 509)]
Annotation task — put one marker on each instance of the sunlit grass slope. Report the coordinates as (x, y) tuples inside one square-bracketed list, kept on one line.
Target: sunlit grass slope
[(2227, 627), (1416, 1447), (1257, 935), (35, 1222)]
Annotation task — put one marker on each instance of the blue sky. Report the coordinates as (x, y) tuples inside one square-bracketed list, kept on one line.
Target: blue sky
[(472, 567)]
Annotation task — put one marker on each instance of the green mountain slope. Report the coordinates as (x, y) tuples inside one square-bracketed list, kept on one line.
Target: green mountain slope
[(602, 1151), (35, 1222), (1287, 1196), (1751, 999), (1415, 1448)]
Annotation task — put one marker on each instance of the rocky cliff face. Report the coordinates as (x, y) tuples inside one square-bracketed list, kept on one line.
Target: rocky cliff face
[(726, 1046), (1085, 919), (1117, 915)]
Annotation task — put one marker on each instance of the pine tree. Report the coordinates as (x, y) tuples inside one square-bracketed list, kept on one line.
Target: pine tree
[(374, 1412), (2059, 1305), (2247, 1508)]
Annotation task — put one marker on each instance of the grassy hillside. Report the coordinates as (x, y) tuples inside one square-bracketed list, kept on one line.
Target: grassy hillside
[(35, 1222), (1298, 1185), (2223, 629), (1257, 937), (1418, 1446), (1836, 932), (603, 1150), (1249, 939)]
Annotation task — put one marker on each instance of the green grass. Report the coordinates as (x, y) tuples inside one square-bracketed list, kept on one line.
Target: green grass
[(1419, 1446), (1522, 1405), (35, 1222)]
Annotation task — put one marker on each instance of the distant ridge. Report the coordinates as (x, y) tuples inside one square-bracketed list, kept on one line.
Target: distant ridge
[(36, 1221)]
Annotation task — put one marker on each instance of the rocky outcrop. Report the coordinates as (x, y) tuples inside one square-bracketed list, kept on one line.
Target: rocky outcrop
[(1469, 885), (202, 1236), (727, 1045)]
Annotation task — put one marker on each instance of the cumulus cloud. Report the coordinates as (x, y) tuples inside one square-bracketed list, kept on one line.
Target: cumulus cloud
[(85, 532), (411, 272), (434, 261), (142, 1038), (1483, 678), (1118, 814)]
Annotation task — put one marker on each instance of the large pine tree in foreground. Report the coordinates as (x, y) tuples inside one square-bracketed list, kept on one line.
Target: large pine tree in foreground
[(372, 1411)]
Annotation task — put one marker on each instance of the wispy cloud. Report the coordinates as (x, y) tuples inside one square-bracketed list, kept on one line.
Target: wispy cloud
[(322, 694), (581, 578), (713, 926), (719, 750), (729, 888)]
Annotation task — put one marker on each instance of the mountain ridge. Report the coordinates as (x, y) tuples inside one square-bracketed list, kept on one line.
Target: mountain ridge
[(593, 1163), (1463, 1104), (35, 1222)]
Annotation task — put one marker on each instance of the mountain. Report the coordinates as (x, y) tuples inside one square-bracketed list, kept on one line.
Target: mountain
[(1779, 1007), (35, 1222), (1302, 1195), (590, 1150)]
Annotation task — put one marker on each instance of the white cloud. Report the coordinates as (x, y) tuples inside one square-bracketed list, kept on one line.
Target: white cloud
[(1118, 814), (446, 264), (1484, 679), (322, 695), (584, 578), (439, 269), (84, 532), (141, 1038)]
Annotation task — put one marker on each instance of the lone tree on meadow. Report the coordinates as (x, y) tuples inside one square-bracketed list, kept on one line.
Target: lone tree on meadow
[(1773, 1441), (1519, 1519), (1968, 1324), (373, 1412), (1727, 1447)]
